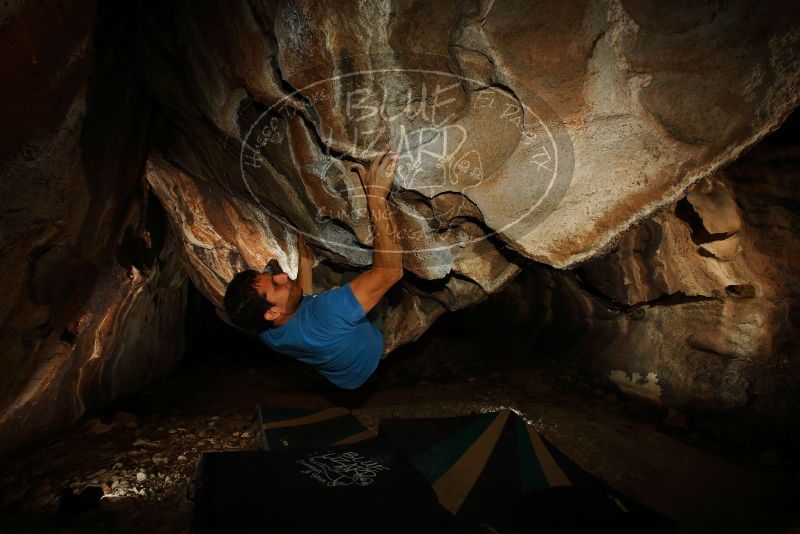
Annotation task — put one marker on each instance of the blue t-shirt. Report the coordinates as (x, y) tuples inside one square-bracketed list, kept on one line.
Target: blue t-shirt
[(331, 332)]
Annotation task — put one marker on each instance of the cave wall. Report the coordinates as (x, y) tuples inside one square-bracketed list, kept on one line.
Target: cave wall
[(93, 293), (636, 109), (695, 308), (577, 120), (144, 147)]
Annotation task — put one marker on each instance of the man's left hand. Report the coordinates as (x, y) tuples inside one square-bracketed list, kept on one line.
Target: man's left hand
[(303, 249)]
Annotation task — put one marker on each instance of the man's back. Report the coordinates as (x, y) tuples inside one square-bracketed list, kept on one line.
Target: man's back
[(331, 332)]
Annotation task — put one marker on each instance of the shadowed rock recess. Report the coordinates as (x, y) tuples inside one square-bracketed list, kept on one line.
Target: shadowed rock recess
[(591, 139)]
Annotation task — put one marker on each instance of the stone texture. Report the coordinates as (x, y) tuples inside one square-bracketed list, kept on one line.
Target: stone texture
[(93, 291), (559, 126), (568, 133), (665, 319), (670, 298)]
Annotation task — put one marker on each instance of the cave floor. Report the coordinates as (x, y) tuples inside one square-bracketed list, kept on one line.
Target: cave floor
[(158, 434)]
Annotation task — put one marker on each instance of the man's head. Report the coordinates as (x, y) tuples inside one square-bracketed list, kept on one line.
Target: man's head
[(258, 301)]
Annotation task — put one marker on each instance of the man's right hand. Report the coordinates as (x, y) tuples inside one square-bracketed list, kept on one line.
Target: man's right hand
[(377, 181), (387, 253)]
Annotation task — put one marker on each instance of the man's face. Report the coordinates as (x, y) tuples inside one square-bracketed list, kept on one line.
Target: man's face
[(281, 291)]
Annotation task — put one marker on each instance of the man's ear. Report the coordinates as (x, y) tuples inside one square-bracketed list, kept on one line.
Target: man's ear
[(271, 314)]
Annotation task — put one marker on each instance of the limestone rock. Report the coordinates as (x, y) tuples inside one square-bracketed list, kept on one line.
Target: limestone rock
[(663, 319), (546, 129), (93, 290), (568, 133)]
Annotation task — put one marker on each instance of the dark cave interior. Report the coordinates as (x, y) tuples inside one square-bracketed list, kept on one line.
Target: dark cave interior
[(645, 323)]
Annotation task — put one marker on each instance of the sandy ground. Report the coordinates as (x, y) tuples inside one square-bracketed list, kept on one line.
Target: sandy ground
[(142, 452)]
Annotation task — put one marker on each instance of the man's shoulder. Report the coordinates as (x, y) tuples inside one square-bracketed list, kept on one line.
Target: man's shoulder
[(336, 308), (333, 290), (334, 293)]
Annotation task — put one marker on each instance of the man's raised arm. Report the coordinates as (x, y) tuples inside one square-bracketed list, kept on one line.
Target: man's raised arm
[(306, 262), (387, 253)]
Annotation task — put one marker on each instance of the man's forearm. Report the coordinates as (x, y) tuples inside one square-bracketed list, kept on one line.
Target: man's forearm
[(387, 252), (304, 265), (304, 274)]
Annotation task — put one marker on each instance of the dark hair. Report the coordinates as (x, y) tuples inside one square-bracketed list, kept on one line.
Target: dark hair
[(245, 306)]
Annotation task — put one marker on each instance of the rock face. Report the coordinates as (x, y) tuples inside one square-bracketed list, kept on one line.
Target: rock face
[(704, 309), (93, 293), (708, 290), (538, 130), (567, 133), (695, 308)]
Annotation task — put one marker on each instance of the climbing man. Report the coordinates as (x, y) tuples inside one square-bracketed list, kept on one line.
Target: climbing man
[(330, 330)]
